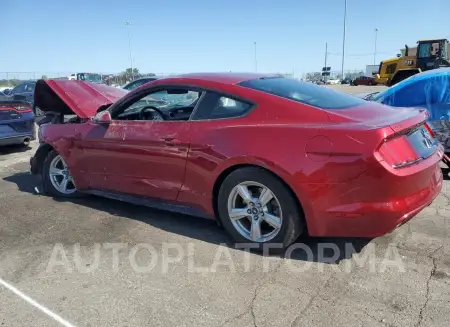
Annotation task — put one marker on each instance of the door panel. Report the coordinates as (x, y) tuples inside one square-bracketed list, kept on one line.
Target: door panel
[(144, 158)]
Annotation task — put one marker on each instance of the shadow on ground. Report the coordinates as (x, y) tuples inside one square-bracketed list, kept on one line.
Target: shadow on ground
[(324, 250), (446, 173), (9, 149)]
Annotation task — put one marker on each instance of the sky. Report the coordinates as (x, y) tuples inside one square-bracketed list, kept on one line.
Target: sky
[(177, 36)]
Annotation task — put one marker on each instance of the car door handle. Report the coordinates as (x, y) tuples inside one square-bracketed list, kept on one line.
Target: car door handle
[(171, 141)]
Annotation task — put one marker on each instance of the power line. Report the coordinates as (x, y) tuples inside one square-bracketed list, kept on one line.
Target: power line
[(359, 55)]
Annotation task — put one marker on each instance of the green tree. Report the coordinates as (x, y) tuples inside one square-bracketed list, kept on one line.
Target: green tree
[(132, 71)]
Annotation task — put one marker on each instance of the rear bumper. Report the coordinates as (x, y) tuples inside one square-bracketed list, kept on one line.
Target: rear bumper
[(16, 139), (374, 206), (377, 219), (16, 131)]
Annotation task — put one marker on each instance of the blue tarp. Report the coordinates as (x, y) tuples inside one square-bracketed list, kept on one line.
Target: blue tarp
[(430, 90)]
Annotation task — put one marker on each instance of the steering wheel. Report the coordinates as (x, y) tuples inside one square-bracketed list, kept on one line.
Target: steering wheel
[(160, 115)]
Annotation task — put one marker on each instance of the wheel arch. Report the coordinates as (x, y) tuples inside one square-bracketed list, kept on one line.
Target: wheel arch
[(40, 156), (225, 173)]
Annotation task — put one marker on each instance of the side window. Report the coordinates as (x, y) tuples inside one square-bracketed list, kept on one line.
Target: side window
[(29, 87), (132, 86), (390, 69), (217, 106), (162, 105)]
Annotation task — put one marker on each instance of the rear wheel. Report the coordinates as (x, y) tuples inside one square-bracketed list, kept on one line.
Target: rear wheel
[(57, 180), (256, 207)]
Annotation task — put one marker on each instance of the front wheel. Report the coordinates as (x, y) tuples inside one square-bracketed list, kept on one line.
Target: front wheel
[(57, 180), (256, 207)]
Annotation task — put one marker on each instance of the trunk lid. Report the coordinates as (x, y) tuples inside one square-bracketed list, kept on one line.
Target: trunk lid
[(406, 138), (74, 97), (377, 115)]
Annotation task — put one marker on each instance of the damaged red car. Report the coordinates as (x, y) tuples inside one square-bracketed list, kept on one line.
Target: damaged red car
[(270, 158)]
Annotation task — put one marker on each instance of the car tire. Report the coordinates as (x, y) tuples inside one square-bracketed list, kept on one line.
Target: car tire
[(283, 206), (50, 180)]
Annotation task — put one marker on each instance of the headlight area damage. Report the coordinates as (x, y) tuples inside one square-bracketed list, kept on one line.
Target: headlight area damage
[(66, 101)]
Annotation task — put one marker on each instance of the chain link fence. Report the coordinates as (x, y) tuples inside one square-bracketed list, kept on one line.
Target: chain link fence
[(334, 74), (11, 79)]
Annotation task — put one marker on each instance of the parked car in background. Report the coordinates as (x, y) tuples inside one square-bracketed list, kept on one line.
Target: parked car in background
[(138, 82), (217, 146), (16, 122), (429, 90), (346, 80), (6, 91), (333, 81), (25, 92), (88, 77), (364, 80)]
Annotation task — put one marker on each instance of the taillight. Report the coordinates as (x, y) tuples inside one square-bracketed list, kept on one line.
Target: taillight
[(22, 107), (430, 130), (407, 149), (398, 152)]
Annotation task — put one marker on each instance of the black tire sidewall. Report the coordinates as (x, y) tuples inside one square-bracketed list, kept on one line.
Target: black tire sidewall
[(293, 221), (46, 182)]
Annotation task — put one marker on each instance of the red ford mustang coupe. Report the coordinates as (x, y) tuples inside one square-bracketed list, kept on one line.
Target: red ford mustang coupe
[(269, 157)]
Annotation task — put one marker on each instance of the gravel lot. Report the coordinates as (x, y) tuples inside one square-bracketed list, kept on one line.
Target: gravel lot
[(357, 89), (175, 270)]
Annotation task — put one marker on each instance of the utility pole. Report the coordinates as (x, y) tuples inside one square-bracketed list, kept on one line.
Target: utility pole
[(325, 66), (343, 39), (375, 51), (127, 24), (256, 61)]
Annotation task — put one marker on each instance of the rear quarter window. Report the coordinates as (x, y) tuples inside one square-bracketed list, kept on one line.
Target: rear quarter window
[(304, 92)]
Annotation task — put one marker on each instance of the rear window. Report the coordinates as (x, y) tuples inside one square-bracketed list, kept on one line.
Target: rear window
[(304, 92)]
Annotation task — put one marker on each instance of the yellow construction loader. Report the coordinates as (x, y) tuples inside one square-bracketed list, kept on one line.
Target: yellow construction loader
[(430, 54)]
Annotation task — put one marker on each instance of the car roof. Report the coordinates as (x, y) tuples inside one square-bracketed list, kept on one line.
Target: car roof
[(226, 78), (146, 77), (424, 75), (435, 72)]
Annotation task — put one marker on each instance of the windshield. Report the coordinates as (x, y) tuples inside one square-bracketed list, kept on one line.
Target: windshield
[(427, 50), (96, 78), (307, 93), (135, 84)]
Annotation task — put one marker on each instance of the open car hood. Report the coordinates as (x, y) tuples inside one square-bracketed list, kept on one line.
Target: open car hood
[(68, 97)]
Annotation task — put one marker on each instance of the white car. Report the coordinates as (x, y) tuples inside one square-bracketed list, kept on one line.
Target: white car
[(333, 81)]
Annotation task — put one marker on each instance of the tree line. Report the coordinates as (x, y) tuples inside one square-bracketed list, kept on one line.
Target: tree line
[(122, 78)]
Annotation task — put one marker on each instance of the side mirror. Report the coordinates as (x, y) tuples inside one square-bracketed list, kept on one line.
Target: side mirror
[(103, 117)]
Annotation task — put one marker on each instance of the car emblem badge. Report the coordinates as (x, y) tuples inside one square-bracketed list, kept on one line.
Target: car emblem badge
[(427, 141)]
